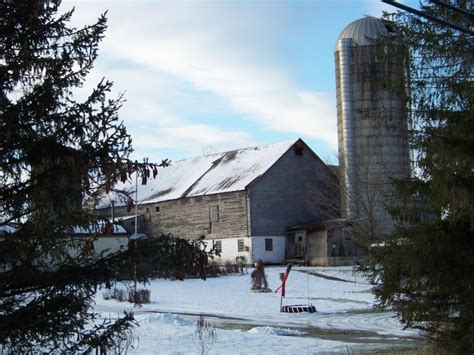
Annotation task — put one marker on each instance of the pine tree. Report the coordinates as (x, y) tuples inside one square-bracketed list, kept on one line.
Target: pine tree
[(57, 152), (425, 271)]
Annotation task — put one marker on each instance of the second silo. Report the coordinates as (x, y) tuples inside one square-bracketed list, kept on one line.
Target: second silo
[(372, 124)]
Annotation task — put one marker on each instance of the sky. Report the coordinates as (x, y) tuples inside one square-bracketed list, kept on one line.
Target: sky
[(202, 77)]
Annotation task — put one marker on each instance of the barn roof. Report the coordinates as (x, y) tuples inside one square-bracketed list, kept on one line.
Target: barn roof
[(210, 174)]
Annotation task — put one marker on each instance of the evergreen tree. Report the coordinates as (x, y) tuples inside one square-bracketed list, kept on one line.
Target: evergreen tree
[(425, 270), (57, 152)]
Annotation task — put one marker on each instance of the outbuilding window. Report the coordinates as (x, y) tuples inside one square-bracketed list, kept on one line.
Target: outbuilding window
[(157, 209), (268, 244)]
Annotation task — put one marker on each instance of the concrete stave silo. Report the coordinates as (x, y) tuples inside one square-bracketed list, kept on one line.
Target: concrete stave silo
[(372, 124)]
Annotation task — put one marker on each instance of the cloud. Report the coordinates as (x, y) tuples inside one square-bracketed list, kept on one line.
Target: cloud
[(194, 138), (154, 128), (219, 49)]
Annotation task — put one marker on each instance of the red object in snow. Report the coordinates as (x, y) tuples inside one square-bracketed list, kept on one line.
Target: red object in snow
[(283, 278)]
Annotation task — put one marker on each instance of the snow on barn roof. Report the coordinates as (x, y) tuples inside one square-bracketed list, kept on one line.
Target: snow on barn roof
[(210, 174)]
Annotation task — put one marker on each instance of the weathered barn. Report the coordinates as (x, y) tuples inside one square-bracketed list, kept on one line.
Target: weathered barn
[(241, 201)]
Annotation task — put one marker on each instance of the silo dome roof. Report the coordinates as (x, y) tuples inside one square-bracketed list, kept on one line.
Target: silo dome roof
[(364, 29)]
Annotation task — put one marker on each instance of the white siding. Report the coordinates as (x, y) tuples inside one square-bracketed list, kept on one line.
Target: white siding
[(276, 256), (106, 244), (110, 243), (230, 250)]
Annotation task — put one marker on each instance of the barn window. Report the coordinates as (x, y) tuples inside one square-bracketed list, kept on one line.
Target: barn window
[(218, 246), (268, 244), (157, 208), (240, 245), (214, 213), (298, 150)]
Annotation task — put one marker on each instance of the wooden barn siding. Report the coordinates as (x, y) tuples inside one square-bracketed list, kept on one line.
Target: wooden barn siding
[(189, 217), (284, 195)]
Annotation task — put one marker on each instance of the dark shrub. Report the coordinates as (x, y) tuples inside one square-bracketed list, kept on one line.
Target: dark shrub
[(140, 296)]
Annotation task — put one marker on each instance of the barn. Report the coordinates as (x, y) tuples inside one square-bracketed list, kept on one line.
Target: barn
[(240, 202)]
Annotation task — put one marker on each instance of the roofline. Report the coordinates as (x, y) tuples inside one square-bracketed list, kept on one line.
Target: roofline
[(185, 194), (256, 179), (299, 140), (248, 186), (231, 150), (117, 218)]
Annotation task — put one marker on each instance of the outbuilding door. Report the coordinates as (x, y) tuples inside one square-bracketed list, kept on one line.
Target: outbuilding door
[(300, 244)]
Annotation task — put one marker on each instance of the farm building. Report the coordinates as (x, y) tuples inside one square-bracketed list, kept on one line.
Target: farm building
[(92, 240), (323, 243), (100, 238), (241, 202)]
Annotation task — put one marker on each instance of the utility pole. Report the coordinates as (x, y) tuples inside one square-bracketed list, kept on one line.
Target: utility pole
[(135, 237)]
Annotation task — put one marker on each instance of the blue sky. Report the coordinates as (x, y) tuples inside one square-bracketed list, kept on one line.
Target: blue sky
[(210, 76)]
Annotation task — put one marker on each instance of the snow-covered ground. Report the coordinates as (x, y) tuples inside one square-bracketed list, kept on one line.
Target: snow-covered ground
[(251, 323)]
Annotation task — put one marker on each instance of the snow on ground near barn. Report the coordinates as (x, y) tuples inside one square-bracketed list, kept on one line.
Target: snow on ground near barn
[(251, 323)]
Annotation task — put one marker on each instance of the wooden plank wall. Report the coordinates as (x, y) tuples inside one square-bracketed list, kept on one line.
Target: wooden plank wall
[(287, 194), (190, 217)]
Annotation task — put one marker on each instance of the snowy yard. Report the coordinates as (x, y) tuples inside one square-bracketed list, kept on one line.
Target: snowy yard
[(251, 323)]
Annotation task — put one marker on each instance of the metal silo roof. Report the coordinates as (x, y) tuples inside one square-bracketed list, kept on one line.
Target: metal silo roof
[(363, 30)]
